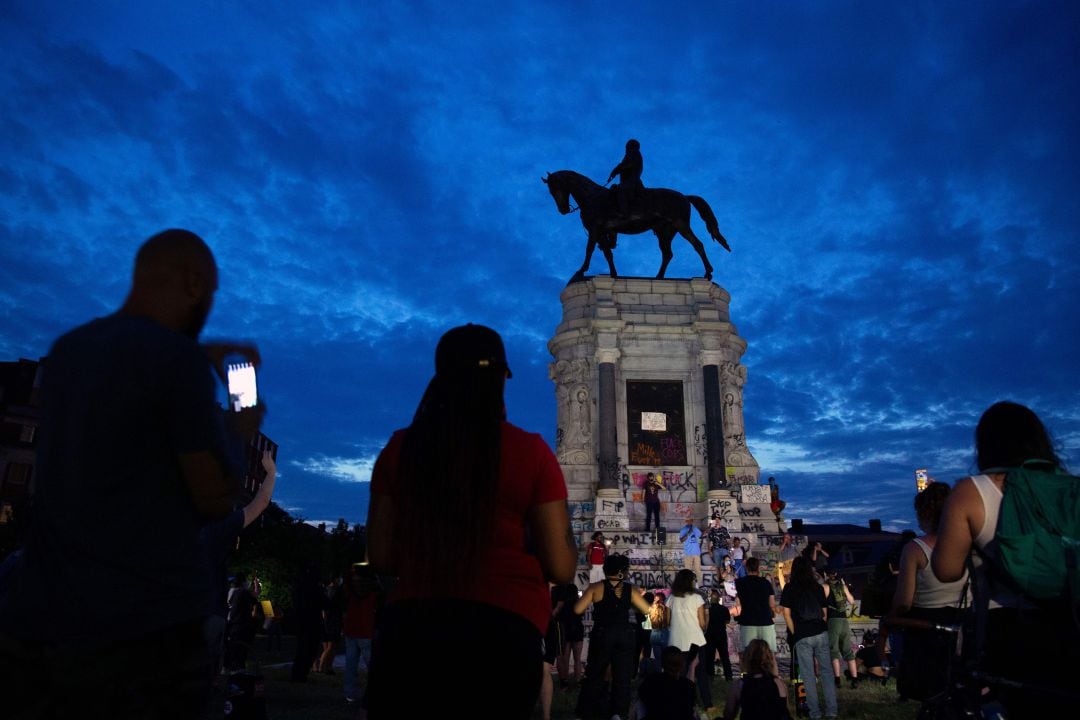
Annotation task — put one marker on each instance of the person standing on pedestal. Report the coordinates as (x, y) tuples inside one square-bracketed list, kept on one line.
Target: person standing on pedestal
[(719, 544), (597, 552), (819, 559), (788, 552), (690, 537), (652, 502), (775, 503), (737, 554)]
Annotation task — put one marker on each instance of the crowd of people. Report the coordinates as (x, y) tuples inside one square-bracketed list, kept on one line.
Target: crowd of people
[(138, 540)]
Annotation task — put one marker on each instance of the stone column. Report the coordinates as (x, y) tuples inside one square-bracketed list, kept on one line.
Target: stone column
[(608, 444), (737, 455), (714, 422)]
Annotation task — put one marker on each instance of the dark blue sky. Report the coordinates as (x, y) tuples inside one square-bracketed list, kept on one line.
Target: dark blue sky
[(899, 183)]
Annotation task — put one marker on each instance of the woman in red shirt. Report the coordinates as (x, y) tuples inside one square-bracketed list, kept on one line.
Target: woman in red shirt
[(469, 512)]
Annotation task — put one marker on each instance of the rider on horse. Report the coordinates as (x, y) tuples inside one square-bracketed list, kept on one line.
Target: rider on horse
[(629, 172)]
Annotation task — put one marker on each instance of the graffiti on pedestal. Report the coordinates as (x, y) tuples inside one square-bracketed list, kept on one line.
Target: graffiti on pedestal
[(657, 578), (678, 485), (611, 506), (739, 478), (701, 446), (644, 454), (672, 451), (642, 558), (610, 522), (723, 508), (758, 494), (629, 538), (774, 540), (656, 431), (581, 516)]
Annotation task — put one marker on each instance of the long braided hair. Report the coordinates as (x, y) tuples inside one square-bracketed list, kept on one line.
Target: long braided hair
[(449, 468)]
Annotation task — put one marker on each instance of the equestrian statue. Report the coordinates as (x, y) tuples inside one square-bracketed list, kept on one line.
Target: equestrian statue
[(630, 208)]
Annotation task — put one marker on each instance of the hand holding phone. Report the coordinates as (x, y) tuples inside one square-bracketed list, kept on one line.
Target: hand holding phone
[(243, 392)]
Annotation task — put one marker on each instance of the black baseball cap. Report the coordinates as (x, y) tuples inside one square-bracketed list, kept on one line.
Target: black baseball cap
[(470, 347)]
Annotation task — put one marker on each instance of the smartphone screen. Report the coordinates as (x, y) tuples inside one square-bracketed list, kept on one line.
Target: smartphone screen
[(242, 393)]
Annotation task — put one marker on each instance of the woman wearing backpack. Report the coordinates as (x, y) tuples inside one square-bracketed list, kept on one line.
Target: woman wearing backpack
[(803, 603), (1017, 630)]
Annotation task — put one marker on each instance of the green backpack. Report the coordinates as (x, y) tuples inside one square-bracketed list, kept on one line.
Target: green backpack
[(1038, 531), (837, 598)]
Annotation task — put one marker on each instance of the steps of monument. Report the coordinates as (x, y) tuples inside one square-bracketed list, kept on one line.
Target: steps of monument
[(653, 565)]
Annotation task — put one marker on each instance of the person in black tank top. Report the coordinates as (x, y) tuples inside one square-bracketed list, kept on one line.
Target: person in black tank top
[(759, 694), (612, 641)]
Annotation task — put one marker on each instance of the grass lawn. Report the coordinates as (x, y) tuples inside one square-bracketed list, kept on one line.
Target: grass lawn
[(322, 697)]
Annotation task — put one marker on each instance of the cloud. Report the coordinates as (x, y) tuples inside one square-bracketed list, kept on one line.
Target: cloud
[(339, 468), (898, 185)]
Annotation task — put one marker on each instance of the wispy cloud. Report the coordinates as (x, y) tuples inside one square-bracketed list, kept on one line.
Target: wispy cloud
[(339, 468), (898, 185)]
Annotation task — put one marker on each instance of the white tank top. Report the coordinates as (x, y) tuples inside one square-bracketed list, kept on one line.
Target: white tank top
[(931, 592), (991, 501)]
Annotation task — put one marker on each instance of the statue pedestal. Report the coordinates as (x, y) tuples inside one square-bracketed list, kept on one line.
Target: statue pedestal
[(723, 504), (611, 516), (648, 382)]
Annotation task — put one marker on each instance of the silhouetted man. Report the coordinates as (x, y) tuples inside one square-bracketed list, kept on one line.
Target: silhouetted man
[(104, 615), (651, 494), (629, 172)]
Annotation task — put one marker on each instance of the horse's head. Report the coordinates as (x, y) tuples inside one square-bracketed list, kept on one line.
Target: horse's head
[(559, 191)]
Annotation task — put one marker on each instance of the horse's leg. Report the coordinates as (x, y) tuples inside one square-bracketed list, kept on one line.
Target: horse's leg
[(610, 261), (664, 238), (687, 232), (589, 247)]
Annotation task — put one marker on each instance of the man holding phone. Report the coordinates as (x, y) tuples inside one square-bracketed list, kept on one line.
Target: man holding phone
[(103, 614)]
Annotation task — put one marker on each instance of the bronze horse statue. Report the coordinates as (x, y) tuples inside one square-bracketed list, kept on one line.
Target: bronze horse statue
[(665, 212)]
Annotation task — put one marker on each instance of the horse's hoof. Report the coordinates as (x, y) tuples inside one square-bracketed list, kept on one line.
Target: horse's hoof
[(708, 275)]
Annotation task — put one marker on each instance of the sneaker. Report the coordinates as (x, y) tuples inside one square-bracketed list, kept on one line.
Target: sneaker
[(837, 683)]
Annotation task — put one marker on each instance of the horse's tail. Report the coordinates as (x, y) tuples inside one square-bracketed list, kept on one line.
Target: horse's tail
[(706, 214)]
